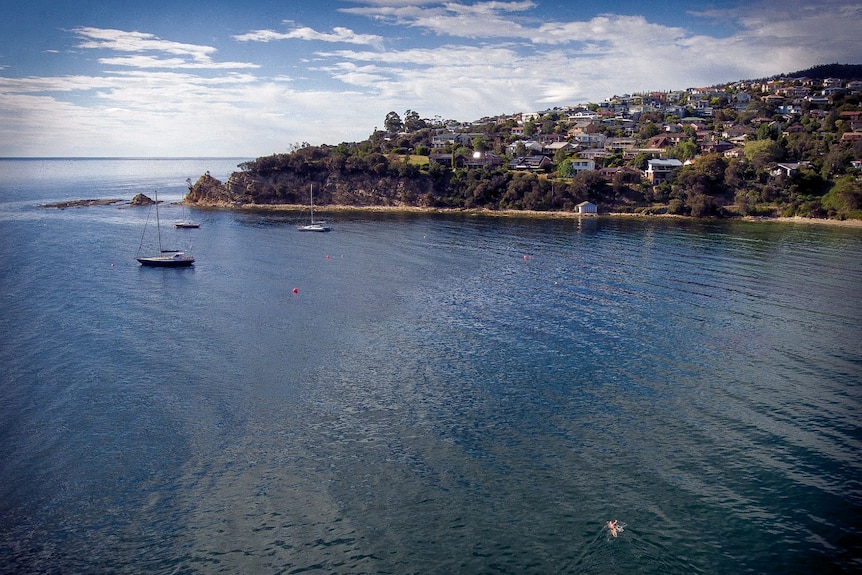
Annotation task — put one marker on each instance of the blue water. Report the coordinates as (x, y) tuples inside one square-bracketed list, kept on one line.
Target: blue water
[(442, 394)]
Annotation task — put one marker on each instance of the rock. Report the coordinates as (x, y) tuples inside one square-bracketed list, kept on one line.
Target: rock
[(142, 200), (80, 204)]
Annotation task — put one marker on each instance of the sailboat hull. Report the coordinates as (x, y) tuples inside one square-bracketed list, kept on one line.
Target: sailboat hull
[(314, 228), (177, 260)]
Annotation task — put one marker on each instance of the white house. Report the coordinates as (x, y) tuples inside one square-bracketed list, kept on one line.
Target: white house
[(582, 165), (591, 140), (659, 171)]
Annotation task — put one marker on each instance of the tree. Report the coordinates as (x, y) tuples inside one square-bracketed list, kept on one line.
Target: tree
[(762, 152), (683, 151), (520, 149), (393, 123), (412, 121), (564, 168), (648, 130), (845, 198), (560, 156)]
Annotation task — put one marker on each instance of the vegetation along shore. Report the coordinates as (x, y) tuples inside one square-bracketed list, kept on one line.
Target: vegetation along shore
[(786, 147)]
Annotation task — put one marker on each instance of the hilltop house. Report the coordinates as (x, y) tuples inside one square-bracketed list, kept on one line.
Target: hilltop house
[(532, 147), (579, 165), (659, 171), (531, 163), (788, 169)]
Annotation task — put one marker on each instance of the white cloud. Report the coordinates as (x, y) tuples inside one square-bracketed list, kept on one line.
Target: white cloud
[(187, 55), (155, 99), (338, 34), (480, 20)]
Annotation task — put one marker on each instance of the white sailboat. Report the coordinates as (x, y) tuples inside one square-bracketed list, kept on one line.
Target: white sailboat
[(185, 222), (312, 226), (165, 258)]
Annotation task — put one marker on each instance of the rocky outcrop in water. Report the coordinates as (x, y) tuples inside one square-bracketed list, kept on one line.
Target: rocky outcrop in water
[(209, 191), (142, 200)]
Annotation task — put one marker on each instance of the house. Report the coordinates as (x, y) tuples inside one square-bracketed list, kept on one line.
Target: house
[(532, 147), (788, 169), (583, 115), (832, 92), (483, 160), (582, 165), (660, 142), (659, 171), (609, 173), (446, 160), (715, 146), (439, 141), (651, 152), (591, 140), (531, 163), (554, 147), (620, 144), (594, 153), (586, 208), (736, 132)]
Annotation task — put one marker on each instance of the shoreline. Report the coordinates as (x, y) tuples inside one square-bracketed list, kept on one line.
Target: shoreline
[(558, 215), (298, 208)]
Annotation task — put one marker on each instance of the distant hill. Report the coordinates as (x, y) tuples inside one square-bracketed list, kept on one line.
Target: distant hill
[(823, 71)]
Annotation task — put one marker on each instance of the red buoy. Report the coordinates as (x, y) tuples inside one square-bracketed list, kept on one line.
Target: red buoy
[(295, 290)]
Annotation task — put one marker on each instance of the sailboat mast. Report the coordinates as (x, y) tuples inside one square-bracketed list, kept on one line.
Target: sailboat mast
[(311, 201), (158, 226)]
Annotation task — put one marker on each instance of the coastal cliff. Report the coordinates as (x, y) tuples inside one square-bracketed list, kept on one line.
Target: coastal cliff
[(284, 187)]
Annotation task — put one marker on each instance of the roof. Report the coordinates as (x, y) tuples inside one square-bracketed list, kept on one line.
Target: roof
[(670, 163)]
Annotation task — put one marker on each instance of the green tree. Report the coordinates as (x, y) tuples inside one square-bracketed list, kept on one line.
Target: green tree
[(683, 151), (520, 149), (393, 123), (844, 200), (648, 130), (762, 152), (564, 168), (412, 121)]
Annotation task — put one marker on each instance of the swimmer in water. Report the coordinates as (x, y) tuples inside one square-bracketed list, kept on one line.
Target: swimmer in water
[(614, 527)]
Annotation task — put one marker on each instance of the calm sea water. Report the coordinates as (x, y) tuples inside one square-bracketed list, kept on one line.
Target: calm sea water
[(440, 395)]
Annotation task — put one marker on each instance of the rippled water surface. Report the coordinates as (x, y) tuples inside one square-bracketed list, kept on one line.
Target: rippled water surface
[(442, 394)]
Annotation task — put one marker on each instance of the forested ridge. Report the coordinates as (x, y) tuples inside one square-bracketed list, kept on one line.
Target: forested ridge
[(785, 146)]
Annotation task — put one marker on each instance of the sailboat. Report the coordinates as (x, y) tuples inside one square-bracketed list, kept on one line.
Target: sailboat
[(185, 222), (165, 258), (313, 227)]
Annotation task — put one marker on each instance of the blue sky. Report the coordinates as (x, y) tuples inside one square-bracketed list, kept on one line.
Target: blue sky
[(251, 78)]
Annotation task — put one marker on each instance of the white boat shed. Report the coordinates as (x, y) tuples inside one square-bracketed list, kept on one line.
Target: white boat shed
[(586, 208)]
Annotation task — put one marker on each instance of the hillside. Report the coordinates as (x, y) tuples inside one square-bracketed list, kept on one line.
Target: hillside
[(789, 146)]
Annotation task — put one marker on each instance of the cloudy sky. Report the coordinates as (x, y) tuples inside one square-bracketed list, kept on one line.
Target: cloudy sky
[(245, 79)]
